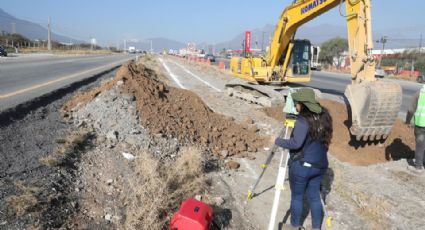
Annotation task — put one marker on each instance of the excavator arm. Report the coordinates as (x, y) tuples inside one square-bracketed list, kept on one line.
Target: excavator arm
[(374, 104), (358, 16), (294, 16)]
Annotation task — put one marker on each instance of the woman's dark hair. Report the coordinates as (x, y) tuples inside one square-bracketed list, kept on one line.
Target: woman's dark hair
[(320, 125)]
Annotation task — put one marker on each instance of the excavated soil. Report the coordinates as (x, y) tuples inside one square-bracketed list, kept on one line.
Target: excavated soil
[(275, 112), (400, 144), (178, 113)]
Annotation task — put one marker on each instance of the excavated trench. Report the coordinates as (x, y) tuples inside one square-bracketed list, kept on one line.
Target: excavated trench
[(400, 144)]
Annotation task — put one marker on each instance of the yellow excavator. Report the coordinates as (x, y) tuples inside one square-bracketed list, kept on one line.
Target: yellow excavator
[(374, 103)]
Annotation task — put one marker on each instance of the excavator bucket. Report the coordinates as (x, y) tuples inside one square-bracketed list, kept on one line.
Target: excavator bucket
[(374, 108)]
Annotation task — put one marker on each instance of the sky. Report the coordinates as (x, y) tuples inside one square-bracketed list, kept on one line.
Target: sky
[(111, 21)]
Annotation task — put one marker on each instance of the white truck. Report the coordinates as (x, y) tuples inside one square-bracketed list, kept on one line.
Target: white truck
[(315, 64), (132, 49)]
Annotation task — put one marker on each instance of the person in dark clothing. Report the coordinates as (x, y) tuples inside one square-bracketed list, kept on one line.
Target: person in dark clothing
[(308, 147)]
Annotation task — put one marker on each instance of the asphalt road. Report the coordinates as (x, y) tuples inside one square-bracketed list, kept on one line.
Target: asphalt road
[(335, 83), (26, 77)]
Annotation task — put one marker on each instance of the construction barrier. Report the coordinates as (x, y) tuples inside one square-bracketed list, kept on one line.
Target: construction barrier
[(221, 65), (408, 73)]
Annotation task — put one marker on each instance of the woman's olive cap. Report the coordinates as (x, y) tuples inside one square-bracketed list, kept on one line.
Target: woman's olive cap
[(307, 97)]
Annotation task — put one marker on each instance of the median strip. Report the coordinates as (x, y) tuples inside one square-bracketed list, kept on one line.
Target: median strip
[(194, 75), (172, 75)]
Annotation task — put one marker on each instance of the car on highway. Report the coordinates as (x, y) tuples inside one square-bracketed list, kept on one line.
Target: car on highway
[(3, 52), (209, 57), (379, 73), (421, 78)]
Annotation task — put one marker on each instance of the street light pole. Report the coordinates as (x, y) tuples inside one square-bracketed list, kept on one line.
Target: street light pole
[(49, 37)]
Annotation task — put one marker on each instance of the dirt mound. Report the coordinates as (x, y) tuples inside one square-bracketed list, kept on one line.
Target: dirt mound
[(400, 143), (182, 114), (178, 113), (84, 97)]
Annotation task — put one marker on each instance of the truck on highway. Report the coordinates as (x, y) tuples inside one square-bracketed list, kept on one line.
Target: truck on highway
[(315, 64), (132, 49)]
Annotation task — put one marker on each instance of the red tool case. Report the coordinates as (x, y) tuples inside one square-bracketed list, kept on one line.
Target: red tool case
[(193, 215)]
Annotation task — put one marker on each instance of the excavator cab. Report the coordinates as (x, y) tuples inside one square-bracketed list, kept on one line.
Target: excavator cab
[(298, 69)]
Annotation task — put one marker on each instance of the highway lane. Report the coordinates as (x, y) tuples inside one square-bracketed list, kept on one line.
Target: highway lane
[(335, 83), (24, 78)]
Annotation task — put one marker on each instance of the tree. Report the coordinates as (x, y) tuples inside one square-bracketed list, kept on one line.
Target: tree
[(15, 39), (332, 49)]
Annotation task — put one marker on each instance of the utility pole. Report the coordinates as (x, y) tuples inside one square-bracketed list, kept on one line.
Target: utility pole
[(13, 28), (243, 48), (383, 40), (49, 36), (262, 42)]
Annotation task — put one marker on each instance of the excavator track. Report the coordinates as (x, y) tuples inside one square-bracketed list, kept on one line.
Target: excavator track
[(374, 108), (258, 94)]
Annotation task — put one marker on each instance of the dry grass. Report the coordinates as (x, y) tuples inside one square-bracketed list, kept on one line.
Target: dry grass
[(370, 207), (69, 148), (66, 52), (159, 189), (18, 205), (374, 209)]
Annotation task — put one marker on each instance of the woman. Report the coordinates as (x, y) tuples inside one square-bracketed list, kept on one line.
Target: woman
[(308, 163)]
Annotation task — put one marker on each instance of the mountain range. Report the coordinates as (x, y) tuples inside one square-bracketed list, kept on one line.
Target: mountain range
[(314, 34), (260, 37), (29, 29)]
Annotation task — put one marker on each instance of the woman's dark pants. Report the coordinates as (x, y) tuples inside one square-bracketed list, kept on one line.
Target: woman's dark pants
[(305, 180)]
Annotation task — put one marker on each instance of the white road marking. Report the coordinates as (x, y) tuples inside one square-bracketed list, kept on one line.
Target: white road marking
[(197, 77), (97, 69), (172, 75)]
